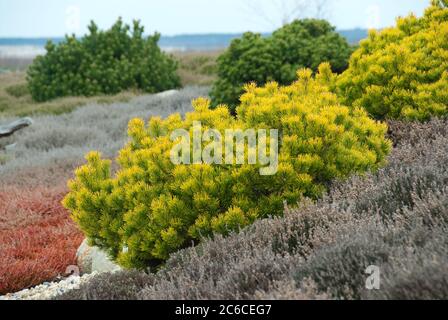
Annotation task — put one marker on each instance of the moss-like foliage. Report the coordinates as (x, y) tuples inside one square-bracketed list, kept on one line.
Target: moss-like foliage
[(102, 62), (253, 58), (402, 72), (153, 207)]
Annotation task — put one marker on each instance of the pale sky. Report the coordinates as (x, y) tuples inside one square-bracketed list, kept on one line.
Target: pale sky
[(53, 18)]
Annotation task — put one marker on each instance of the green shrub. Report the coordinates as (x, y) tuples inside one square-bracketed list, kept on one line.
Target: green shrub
[(153, 207), (402, 72), (102, 62), (253, 58), (331, 241)]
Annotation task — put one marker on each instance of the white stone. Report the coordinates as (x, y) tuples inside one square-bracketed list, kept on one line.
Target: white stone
[(167, 93), (93, 259), (50, 290)]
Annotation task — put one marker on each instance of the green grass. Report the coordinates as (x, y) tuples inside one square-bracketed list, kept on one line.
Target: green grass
[(195, 68)]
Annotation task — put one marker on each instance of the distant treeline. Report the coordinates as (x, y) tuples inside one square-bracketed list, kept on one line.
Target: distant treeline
[(185, 42)]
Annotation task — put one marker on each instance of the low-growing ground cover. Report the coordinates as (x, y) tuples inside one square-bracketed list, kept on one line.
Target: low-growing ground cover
[(38, 240), (15, 99), (197, 67)]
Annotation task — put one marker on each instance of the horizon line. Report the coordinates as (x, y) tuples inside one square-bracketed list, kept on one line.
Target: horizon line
[(176, 35)]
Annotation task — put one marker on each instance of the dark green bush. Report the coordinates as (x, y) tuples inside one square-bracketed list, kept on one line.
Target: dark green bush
[(253, 58), (102, 62)]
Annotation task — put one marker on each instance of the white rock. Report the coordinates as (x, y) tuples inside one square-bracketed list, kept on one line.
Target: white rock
[(49, 291), (93, 259), (84, 258), (167, 93)]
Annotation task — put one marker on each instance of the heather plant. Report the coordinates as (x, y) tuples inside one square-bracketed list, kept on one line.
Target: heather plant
[(114, 286), (39, 240), (153, 207), (56, 139), (253, 58), (410, 133), (102, 62), (401, 72), (290, 256), (419, 274), (404, 250)]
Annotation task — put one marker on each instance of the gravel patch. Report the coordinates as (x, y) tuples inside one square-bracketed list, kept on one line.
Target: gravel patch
[(50, 290)]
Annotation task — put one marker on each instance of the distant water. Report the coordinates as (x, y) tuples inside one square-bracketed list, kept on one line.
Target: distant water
[(31, 47), (31, 51)]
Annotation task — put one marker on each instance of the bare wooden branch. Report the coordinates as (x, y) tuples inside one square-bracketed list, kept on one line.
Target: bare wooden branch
[(8, 130)]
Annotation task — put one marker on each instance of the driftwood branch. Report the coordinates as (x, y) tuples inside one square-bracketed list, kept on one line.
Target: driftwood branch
[(9, 129)]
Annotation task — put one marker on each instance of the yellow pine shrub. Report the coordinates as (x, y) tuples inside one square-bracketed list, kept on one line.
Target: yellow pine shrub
[(402, 72), (151, 207)]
